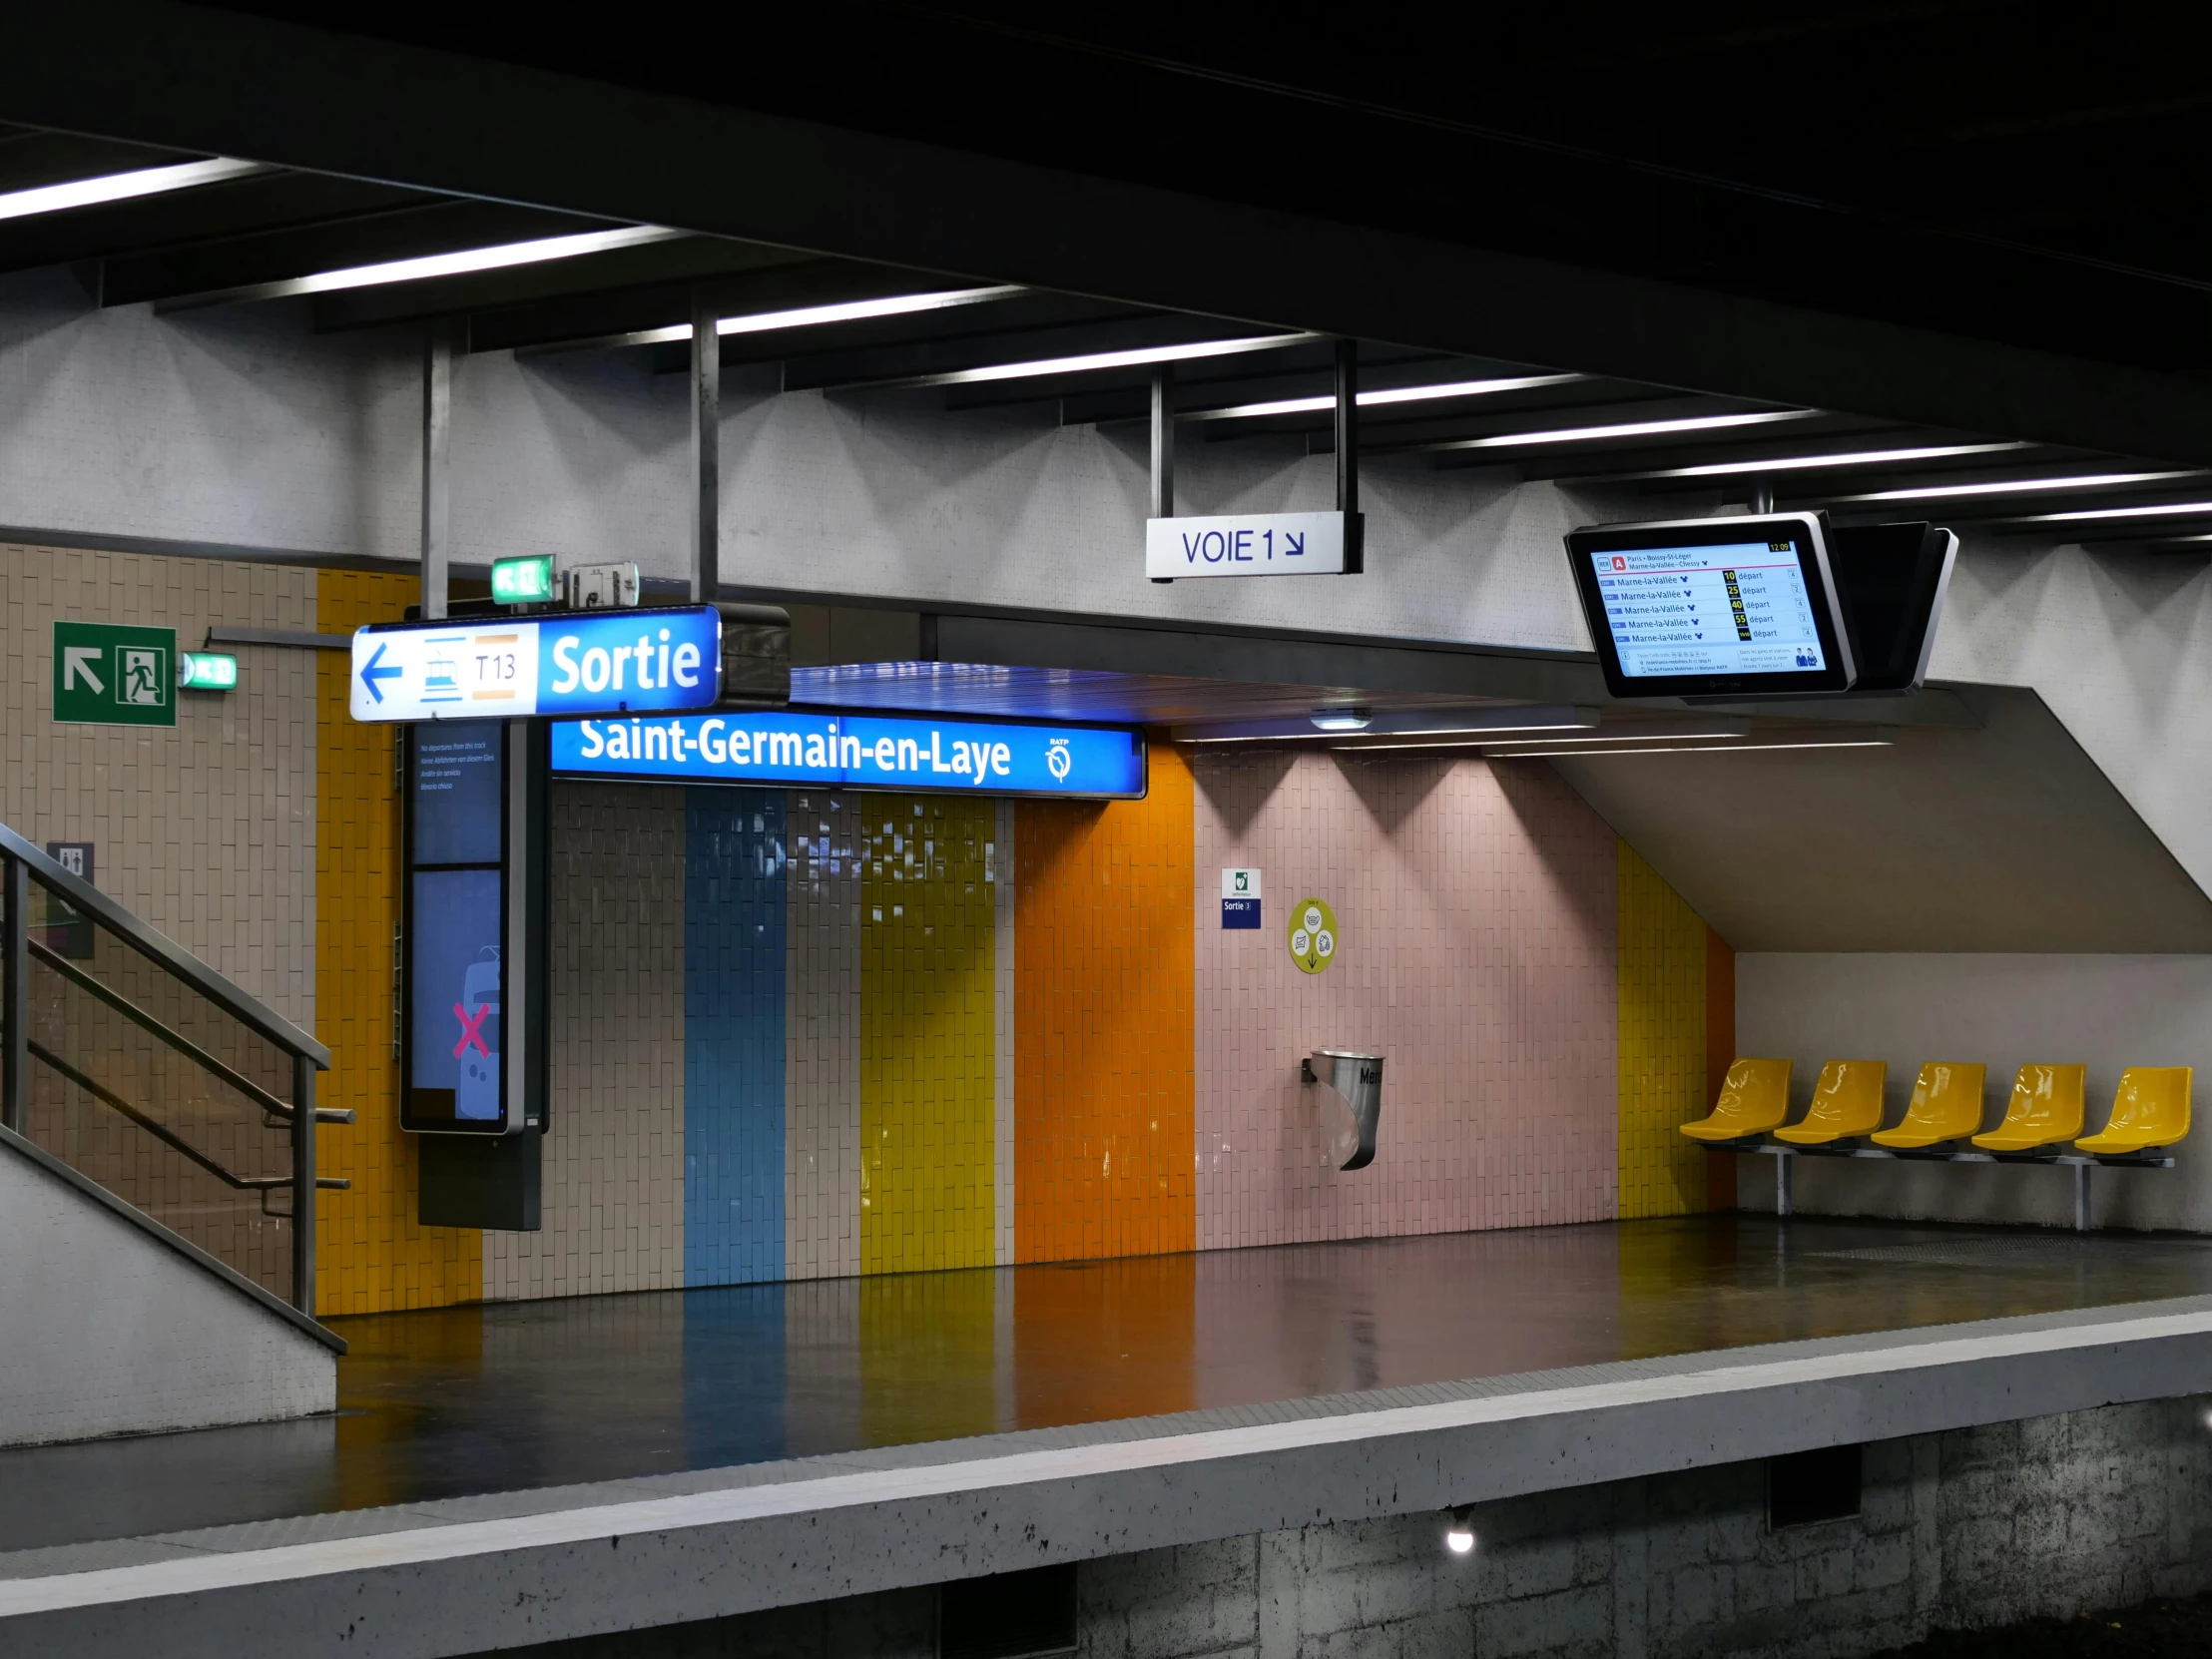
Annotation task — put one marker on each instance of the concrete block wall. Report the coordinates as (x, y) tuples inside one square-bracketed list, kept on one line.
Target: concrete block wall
[(2048, 1517)]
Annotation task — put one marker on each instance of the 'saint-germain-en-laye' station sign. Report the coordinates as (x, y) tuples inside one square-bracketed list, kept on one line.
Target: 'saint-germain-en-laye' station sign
[(852, 751)]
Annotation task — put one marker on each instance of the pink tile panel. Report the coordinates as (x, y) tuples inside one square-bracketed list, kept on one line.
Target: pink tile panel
[(1477, 907)]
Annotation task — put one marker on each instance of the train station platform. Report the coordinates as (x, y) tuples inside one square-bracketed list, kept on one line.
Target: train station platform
[(710, 1451)]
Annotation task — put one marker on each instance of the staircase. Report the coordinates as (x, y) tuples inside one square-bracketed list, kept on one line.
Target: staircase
[(157, 1177)]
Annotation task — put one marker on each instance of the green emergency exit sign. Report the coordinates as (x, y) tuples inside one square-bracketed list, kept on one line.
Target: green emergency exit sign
[(109, 675)]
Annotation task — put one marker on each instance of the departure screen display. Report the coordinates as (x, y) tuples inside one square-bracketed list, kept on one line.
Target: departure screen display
[(456, 925), (1728, 608)]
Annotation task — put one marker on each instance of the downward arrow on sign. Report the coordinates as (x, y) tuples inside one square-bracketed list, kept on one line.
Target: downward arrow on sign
[(76, 663)]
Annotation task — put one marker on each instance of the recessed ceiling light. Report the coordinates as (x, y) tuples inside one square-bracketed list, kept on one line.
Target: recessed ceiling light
[(2163, 509), (1627, 429), (2019, 486), (1091, 362), (121, 187), (462, 262), (1343, 719), (1382, 399), (814, 316), (1808, 463)]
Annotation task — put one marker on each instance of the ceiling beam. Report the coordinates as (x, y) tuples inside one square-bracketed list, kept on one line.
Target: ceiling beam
[(152, 71)]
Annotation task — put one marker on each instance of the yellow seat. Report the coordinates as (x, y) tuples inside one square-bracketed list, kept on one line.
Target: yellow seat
[(1753, 1098), (1847, 1102), (2151, 1109), (1946, 1106), (2046, 1109)]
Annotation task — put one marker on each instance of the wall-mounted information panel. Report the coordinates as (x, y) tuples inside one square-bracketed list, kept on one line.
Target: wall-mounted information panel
[(851, 751), (1713, 607), (472, 996)]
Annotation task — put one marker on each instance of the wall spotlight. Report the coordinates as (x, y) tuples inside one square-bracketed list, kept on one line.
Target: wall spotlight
[(1343, 719), (1459, 1536)]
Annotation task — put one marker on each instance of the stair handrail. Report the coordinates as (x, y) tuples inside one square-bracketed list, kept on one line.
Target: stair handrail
[(160, 949), (20, 861)]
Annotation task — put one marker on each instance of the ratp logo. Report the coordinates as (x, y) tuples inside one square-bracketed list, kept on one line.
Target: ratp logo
[(1058, 761)]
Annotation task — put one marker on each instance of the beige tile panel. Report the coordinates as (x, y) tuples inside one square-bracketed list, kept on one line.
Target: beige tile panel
[(207, 829), (614, 1154)]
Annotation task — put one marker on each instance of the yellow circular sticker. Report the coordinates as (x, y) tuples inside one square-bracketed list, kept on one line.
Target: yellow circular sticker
[(1313, 936)]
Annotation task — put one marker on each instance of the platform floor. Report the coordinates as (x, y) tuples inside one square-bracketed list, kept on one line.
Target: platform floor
[(507, 1397)]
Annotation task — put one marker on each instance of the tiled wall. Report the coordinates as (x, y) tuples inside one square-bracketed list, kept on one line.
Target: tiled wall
[(733, 1035), (928, 1039), (614, 1148), (206, 828), (1663, 1042), (1104, 1066), (1477, 908), (372, 1255), (821, 1054)]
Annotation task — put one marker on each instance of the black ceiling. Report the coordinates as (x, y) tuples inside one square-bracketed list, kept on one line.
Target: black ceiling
[(1930, 167), (2030, 173)]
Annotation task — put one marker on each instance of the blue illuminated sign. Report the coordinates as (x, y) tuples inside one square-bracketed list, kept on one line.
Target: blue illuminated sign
[(851, 751), (643, 660)]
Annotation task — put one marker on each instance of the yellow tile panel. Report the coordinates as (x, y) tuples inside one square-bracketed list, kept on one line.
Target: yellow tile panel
[(928, 1036), (371, 1256), (1663, 1040)]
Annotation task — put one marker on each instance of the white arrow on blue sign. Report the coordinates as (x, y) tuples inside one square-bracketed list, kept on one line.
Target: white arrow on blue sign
[(607, 662)]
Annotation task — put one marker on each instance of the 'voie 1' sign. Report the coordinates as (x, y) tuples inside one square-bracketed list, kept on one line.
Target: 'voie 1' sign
[(1246, 544), (488, 667), (848, 750)]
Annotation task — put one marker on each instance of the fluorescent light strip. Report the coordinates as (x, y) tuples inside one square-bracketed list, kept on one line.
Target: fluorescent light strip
[(460, 264), (1809, 463), (1655, 736), (1486, 734), (1463, 738), (1696, 749), (811, 316), (2019, 486), (1106, 360), (121, 187), (2167, 509), (1628, 430), (1377, 399)]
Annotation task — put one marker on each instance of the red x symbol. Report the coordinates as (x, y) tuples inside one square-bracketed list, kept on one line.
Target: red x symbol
[(472, 1031)]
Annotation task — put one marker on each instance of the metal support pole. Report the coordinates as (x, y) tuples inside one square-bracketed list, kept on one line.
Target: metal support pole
[(1348, 453), (1782, 1162), (2082, 1196), (1162, 441), (1762, 496), (437, 466), (15, 944), (706, 446), (302, 1184)]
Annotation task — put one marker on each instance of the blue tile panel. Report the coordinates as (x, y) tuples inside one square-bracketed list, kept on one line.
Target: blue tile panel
[(733, 911)]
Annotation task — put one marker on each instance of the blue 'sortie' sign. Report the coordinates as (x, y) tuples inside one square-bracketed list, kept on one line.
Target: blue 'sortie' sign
[(850, 751), (641, 660)]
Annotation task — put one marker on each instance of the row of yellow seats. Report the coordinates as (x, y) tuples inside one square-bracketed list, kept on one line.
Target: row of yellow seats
[(2151, 1108)]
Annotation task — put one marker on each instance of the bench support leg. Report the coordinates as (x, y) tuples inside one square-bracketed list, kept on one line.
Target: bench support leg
[(2081, 1198), (1781, 1166)]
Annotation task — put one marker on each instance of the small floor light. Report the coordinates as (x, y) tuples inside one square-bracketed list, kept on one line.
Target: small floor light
[(1459, 1536)]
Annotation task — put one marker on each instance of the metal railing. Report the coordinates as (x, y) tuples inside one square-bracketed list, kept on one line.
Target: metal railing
[(131, 1060)]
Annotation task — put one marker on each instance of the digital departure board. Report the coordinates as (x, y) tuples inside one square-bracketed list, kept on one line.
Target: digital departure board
[(1716, 607)]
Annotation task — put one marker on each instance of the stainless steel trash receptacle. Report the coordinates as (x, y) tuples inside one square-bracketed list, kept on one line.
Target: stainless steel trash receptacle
[(1355, 1081)]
